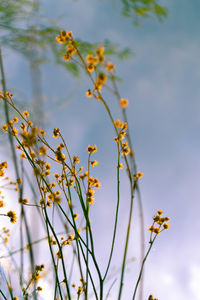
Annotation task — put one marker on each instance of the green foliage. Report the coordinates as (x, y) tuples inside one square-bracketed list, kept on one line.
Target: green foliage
[(143, 8)]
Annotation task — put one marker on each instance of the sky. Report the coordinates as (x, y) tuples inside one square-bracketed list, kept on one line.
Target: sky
[(161, 82)]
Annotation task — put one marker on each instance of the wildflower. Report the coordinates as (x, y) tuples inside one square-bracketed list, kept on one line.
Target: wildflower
[(23, 155), (79, 291), (94, 163), (89, 94), (102, 78), (71, 50), (166, 226), (30, 123), (121, 166), (90, 67), (123, 103), (12, 215), (23, 201), (15, 119), (2, 173), (42, 150), (1, 204), (139, 174), (56, 132), (10, 123), (5, 127), (76, 216), (56, 175), (91, 149), (42, 132), (26, 114), (29, 138), (76, 159), (156, 230), (110, 66), (126, 151), (151, 228), (118, 123), (100, 50), (4, 165), (160, 212), (59, 255), (60, 157), (67, 57)]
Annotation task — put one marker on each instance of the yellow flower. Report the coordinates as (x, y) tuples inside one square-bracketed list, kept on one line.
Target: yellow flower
[(139, 174), (67, 56), (89, 94), (42, 150), (30, 123), (56, 175), (118, 123), (126, 151), (90, 67), (26, 114), (110, 66), (5, 127), (94, 163), (42, 132), (121, 166), (76, 159), (100, 50), (151, 228), (59, 255), (76, 216), (102, 78), (123, 103), (15, 119), (12, 215), (23, 155), (166, 226), (56, 132), (156, 230), (91, 149)]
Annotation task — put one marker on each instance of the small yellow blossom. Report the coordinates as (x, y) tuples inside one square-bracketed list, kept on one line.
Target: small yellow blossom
[(123, 103), (56, 132), (94, 163), (42, 132), (89, 94), (76, 159), (139, 174), (166, 226), (42, 150), (26, 114), (91, 149), (5, 127), (15, 119), (110, 66), (76, 216), (12, 215)]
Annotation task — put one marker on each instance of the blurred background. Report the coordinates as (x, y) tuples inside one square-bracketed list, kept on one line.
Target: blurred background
[(160, 76)]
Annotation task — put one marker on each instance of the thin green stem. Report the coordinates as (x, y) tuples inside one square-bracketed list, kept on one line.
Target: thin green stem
[(142, 267)]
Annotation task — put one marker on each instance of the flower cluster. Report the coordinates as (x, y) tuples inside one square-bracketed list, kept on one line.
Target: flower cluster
[(159, 224)]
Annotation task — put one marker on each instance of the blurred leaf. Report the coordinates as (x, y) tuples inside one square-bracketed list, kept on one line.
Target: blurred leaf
[(143, 8)]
